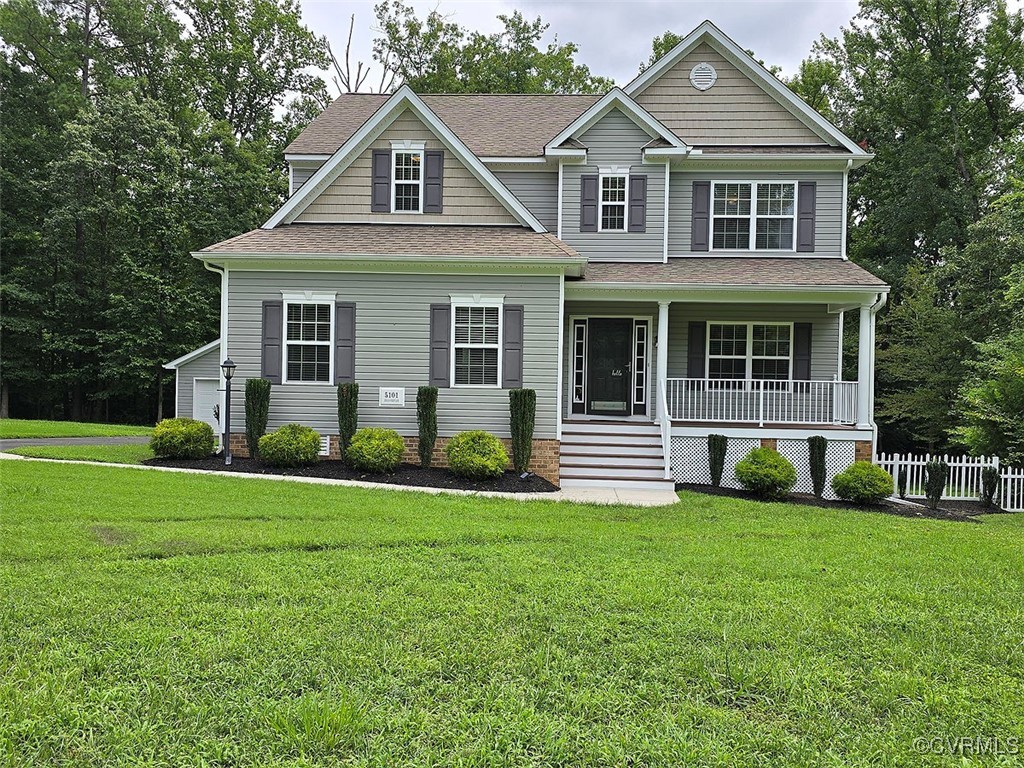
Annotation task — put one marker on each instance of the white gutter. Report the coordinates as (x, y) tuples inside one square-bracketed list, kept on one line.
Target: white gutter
[(846, 208)]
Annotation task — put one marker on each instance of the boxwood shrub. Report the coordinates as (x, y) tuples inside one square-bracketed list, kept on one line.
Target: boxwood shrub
[(863, 483), (476, 454), (182, 438), (374, 449), (766, 473), (293, 445)]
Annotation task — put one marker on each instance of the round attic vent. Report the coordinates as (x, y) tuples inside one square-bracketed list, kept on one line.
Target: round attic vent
[(703, 76)]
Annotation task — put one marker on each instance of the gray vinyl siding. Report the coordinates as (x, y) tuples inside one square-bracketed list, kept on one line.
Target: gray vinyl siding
[(615, 140), (824, 330), (828, 223), (537, 190), (638, 309), (735, 110), (301, 171), (392, 348), (206, 366)]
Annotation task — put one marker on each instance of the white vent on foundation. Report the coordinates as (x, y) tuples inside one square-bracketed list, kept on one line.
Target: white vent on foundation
[(703, 76), (325, 445)]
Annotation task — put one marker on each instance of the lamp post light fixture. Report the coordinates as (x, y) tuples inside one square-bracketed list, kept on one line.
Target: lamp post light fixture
[(228, 369)]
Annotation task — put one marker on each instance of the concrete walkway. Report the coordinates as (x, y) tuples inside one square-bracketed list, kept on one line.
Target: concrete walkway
[(26, 442), (623, 497)]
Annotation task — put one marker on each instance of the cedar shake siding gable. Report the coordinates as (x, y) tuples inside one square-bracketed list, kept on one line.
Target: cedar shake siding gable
[(615, 141), (735, 110), (348, 199)]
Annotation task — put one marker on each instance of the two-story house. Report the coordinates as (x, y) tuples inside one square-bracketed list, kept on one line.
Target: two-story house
[(662, 262)]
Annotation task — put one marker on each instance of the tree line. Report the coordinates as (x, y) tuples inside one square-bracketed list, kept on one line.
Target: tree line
[(135, 132)]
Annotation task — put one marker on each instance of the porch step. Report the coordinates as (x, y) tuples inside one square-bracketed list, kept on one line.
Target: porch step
[(612, 454)]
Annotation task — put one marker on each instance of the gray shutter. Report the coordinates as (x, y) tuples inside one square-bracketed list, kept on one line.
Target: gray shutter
[(588, 202), (802, 351), (273, 332), (512, 347), (433, 181), (344, 343), (380, 201), (700, 221), (807, 204), (696, 346), (440, 345), (637, 204)]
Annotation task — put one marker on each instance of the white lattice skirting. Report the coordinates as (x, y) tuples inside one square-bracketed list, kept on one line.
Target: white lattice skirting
[(689, 456)]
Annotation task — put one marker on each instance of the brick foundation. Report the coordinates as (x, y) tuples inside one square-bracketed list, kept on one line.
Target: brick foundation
[(543, 462), (862, 450)]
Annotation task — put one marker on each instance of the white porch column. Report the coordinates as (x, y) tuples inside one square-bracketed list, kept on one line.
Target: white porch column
[(661, 371), (865, 356)]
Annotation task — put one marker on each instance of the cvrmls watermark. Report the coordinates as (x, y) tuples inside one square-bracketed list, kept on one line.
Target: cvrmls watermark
[(967, 745)]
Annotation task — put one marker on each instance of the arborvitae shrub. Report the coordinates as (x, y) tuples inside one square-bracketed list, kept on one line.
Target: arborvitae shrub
[(817, 447), (901, 482), (716, 457), (348, 414), (522, 408), (257, 411), (989, 485), (426, 420), (936, 474)]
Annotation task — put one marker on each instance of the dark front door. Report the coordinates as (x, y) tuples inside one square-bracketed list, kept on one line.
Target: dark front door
[(610, 342)]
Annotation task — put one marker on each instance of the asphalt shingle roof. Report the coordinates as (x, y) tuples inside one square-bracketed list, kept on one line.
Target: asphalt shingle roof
[(740, 271), (395, 240), (491, 125)]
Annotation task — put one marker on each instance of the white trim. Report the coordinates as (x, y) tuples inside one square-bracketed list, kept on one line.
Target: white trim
[(407, 145), (706, 32), (402, 99), (395, 151), (616, 97), (473, 302), (845, 210), (753, 216), (306, 158), (513, 160), (291, 179), (783, 433), (321, 298), (668, 181), (559, 374), (309, 297), (559, 223), (839, 362), (749, 357), (188, 357), (616, 173)]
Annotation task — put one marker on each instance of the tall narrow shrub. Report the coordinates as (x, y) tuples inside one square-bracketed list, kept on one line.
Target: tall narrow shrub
[(522, 408), (716, 457), (989, 485), (257, 411), (817, 447), (348, 416), (901, 482), (426, 419), (937, 472)]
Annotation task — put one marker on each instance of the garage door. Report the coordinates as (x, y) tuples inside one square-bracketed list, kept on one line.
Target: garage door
[(206, 402)]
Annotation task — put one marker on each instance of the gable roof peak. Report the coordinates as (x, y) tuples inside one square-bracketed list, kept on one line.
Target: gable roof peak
[(616, 98)]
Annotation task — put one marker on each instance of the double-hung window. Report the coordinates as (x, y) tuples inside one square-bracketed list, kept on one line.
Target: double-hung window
[(753, 215), (476, 344), (743, 351), (407, 180), (309, 329), (613, 202)]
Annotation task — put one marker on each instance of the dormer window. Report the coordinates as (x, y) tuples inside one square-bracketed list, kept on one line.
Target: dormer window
[(407, 180), (613, 202)]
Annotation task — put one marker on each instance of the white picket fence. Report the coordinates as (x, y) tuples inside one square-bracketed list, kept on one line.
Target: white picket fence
[(964, 483)]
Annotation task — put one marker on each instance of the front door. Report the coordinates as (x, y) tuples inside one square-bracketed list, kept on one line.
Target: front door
[(609, 352)]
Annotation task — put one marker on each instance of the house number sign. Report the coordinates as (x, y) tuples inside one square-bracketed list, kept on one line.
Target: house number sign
[(393, 396)]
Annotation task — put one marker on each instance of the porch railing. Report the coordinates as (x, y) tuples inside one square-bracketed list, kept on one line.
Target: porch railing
[(762, 402)]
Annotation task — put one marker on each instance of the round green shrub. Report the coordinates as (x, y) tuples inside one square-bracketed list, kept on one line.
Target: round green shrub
[(182, 439), (293, 445), (374, 449), (766, 473), (476, 454), (863, 483)]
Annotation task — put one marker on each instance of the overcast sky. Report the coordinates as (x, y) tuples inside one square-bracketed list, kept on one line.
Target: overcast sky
[(613, 36)]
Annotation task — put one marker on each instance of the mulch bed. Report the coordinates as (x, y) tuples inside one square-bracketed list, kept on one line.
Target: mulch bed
[(406, 474), (960, 511)]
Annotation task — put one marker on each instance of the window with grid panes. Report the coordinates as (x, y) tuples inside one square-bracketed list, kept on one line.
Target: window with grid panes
[(477, 345), (308, 342)]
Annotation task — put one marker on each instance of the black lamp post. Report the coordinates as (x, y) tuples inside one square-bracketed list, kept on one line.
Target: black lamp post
[(228, 369)]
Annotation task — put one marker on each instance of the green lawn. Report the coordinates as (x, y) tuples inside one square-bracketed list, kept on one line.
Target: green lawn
[(113, 454), (11, 428), (165, 619)]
